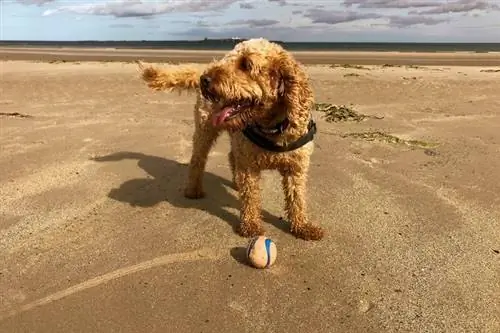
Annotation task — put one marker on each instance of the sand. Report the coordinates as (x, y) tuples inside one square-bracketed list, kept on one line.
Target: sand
[(203, 56), (95, 235)]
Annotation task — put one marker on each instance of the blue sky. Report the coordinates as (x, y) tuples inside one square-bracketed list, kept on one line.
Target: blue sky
[(288, 20)]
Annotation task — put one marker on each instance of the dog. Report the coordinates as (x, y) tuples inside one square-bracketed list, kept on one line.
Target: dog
[(262, 97)]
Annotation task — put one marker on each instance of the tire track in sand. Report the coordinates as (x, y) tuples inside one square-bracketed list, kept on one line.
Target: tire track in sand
[(202, 254)]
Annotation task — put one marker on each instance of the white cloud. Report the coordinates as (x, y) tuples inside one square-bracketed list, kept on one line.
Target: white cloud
[(254, 23), (407, 21), (287, 19), (138, 8), (462, 6), (391, 3), (34, 2), (335, 17)]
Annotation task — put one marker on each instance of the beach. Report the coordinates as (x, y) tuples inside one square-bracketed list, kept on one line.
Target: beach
[(96, 236), (204, 56)]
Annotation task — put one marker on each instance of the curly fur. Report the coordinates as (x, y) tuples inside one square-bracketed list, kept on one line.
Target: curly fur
[(274, 86)]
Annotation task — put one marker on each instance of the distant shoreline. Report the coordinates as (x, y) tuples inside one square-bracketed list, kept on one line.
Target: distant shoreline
[(81, 54), (227, 44)]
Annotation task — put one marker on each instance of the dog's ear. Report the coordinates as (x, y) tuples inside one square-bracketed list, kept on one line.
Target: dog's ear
[(293, 85), (250, 63)]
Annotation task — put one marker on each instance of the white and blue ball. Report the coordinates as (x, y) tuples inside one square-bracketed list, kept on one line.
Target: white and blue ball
[(261, 252)]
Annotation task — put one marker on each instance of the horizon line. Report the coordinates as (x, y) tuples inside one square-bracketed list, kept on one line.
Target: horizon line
[(229, 40)]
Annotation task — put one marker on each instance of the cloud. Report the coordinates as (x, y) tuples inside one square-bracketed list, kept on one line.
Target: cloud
[(121, 26), (254, 23), (408, 21), (280, 2), (312, 32), (435, 7), (138, 8), (284, 19), (246, 5), (34, 2), (461, 6), (336, 17), (203, 24), (396, 4), (180, 21)]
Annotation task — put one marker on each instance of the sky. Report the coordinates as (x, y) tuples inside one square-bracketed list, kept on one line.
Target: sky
[(285, 20)]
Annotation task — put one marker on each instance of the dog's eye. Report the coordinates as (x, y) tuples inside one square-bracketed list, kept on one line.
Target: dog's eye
[(245, 64)]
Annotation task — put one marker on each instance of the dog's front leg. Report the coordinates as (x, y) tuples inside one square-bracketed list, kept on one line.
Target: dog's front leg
[(232, 165), (294, 186), (204, 138), (248, 184)]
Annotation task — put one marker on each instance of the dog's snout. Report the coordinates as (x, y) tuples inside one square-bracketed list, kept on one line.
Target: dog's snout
[(205, 81)]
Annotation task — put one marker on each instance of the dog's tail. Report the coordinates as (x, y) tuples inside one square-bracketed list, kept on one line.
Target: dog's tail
[(177, 78)]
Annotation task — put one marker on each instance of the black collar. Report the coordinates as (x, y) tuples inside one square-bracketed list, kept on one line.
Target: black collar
[(279, 128), (256, 134)]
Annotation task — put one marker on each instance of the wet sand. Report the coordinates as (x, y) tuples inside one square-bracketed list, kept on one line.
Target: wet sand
[(95, 235), (203, 56)]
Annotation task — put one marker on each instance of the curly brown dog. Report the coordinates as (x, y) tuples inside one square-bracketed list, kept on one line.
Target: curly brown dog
[(261, 96)]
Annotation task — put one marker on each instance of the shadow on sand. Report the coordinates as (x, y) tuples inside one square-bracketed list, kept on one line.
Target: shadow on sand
[(166, 183)]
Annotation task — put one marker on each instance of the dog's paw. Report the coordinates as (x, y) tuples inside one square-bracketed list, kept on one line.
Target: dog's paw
[(251, 230), (308, 232), (194, 193)]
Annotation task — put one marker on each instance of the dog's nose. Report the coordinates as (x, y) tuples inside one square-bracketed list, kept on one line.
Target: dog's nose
[(205, 81)]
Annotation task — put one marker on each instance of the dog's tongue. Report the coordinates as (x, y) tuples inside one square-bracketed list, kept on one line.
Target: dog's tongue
[(219, 117)]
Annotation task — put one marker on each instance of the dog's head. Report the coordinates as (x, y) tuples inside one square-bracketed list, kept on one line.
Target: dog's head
[(257, 81)]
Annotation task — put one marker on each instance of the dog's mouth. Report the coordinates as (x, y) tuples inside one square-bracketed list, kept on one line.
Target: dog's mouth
[(231, 110)]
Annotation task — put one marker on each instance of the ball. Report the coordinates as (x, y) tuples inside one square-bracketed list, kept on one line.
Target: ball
[(261, 252)]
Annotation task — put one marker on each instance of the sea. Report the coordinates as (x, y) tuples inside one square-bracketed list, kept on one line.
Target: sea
[(227, 44)]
